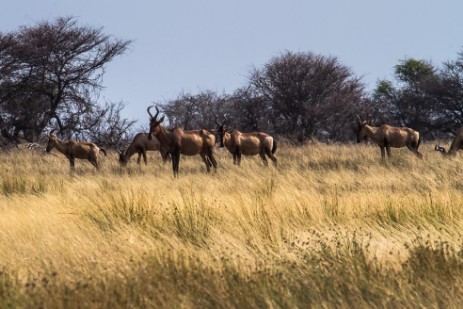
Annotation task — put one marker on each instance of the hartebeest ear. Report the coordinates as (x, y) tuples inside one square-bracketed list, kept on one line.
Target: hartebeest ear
[(162, 119)]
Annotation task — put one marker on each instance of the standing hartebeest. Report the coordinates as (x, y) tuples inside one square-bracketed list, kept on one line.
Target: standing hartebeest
[(456, 145), (141, 144), (248, 144), (178, 141), (387, 136), (75, 150)]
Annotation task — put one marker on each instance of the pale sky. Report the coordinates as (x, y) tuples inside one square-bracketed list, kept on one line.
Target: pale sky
[(191, 46)]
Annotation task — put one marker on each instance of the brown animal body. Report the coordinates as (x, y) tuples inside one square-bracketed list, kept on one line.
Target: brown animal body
[(456, 145), (75, 150), (140, 145), (248, 144), (387, 136), (187, 142)]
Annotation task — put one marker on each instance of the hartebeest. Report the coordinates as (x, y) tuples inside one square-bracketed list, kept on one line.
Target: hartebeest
[(456, 145), (248, 144), (141, 144), (75, 150), (387, 136), (178, 141)]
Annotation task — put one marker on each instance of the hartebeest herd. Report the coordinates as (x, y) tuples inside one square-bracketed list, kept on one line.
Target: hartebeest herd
[(171, 143)]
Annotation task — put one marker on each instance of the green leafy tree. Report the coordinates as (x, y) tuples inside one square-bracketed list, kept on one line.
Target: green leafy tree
[(410, 101)]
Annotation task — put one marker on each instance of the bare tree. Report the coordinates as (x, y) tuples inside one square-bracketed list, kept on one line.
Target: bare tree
[(107, 127), (310, 95), (191, 112), (52, 70)]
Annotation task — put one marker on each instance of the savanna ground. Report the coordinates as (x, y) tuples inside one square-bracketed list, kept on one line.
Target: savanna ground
[(332, 226)]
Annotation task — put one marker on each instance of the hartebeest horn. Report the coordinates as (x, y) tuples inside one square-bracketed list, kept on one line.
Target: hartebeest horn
[(157, 112), (226, 120), (440, 149), (148, 110)]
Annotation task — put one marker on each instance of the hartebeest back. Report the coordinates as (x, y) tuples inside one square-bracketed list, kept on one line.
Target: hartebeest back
[(387, 136), (248, 144), (75, 150), (141, 144), (456, 145), (178, 141)]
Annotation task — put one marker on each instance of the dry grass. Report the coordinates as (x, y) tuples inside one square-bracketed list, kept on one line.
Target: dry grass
[(332, 226)]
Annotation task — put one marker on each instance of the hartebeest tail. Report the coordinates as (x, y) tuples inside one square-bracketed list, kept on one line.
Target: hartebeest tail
[(178, 141), (274, 148), (140, 145), (456, 145), (387, 136), (248, 144), (75, 150)]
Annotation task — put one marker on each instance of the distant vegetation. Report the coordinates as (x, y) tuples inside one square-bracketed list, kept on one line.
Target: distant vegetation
[(332, 226), (51, 76)]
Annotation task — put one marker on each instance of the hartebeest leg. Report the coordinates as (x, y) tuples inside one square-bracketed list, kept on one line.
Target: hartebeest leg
[(165, 157), (388, 150), (206, 161), (264, 159), (383, 153), (210, 154), (417, 153), (72, 162), (139, 158), (414, 149), (271, 156), (238, 156), (388, 147), (94, 160), (144, 157), (176, 162), (95, 164)]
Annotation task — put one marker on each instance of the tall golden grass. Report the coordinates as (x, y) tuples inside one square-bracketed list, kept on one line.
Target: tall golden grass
[(331, 226)]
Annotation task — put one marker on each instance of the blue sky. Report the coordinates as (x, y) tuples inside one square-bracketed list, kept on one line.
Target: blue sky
[(191, 46)]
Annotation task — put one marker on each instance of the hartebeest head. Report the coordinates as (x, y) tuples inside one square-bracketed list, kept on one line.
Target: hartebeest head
[(154, 122), (52, 138), (123, 158), (440, 149), (362, 131)]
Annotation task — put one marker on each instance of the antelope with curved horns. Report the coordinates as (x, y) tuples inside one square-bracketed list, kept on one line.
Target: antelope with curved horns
[(248, 144), (387, 136), (456, 145), (141, 144), (187, 142), (75, 150)]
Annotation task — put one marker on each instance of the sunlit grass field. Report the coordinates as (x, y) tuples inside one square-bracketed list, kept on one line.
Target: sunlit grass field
[(331, 226)]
